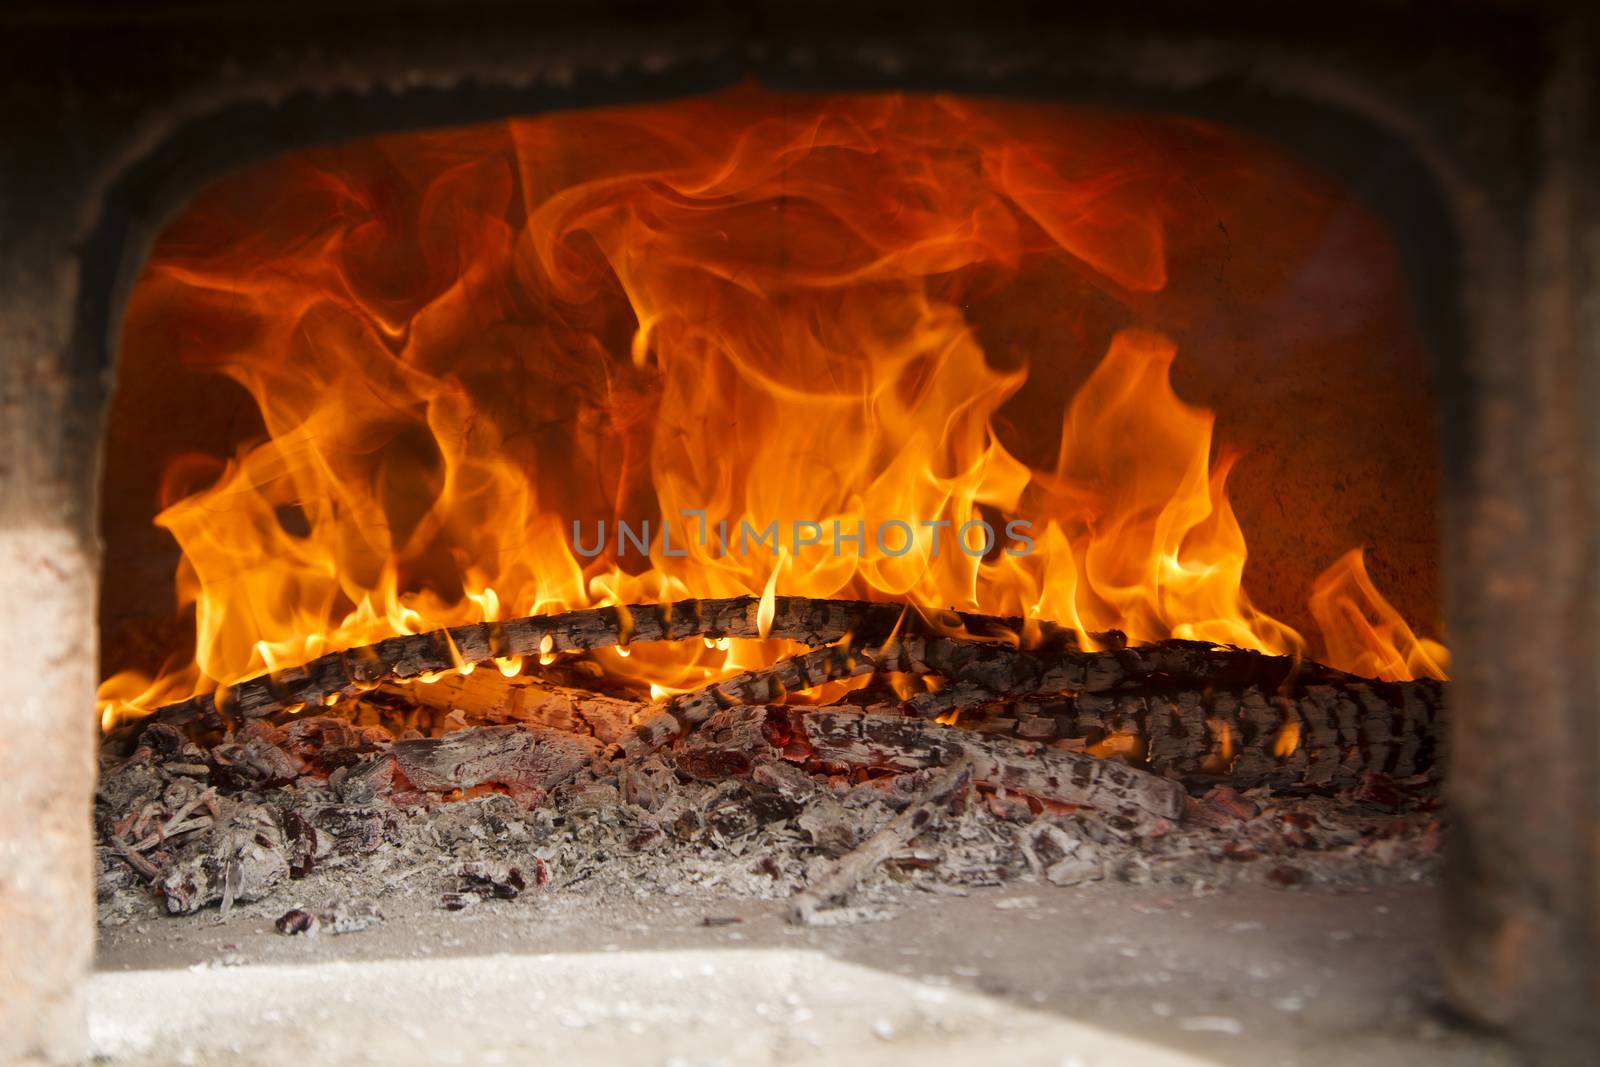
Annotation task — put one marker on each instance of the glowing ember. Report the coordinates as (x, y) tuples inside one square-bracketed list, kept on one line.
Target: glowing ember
[(485, 358)]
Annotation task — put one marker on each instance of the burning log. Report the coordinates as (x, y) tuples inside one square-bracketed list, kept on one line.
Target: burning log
[(1182, 709), (808, 906), (1324, 735), (768, 685), (955, 657), (804, 620), (1186, 709), (906, 744), (489, 696), (988, 673)]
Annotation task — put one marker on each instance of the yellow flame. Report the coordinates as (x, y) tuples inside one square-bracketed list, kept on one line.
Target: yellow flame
[(1287, 743), (767, 607), (1119, 743)]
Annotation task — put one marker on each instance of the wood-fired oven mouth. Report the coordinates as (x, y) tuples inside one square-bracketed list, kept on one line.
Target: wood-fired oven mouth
[(729, 456)]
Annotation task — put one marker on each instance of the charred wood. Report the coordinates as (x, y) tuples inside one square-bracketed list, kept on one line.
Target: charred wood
[(1182, 709), (489, 696), (905, 744), (804, 620), (732, 743), (1323, 735)]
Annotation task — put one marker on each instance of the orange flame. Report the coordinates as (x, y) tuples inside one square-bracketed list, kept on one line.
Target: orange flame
[(714, 317), (1364, 633)]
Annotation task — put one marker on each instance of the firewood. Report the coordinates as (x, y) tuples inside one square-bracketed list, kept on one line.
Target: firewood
[(804, 620), (983, 671), (631, 729), (1182, 708), (731, 743), (807, 907), (770, 684), (1136, 702), (988, 672), (1323, 735), (905, 743), (489, 696)]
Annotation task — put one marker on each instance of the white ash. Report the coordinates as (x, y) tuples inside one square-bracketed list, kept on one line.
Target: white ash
[(647, 830)]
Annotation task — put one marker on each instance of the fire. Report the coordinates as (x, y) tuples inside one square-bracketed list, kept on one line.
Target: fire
[(742, 309), (1364, 633)]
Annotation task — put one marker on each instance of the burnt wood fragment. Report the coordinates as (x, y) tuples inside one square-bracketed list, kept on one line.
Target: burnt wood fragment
[(1064, 777)]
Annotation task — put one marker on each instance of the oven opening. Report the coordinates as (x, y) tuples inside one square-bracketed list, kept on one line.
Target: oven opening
[(809, 502)]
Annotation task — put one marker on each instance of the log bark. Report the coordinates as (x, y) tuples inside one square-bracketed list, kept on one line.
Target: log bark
[(1325, 735), (988, 672), (804, 620), (1183, 709), (905, 744)]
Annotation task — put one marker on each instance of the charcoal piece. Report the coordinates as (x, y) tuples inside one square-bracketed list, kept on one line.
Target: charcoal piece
[(162, 739), (769, 806), (1018, 766), (296, 921), (328, 760), (301, 838), (369, 781), (338, 918), (731, 743), (351, 830), (306, 736), (831, 827), (731, 819), (788, 780), (501, 880), (252, 765)]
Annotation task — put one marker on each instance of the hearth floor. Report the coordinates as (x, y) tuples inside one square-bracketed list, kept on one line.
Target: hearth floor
[(1083, 975)]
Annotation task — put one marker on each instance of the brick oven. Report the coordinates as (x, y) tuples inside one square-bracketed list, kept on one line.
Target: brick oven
[(1402, 334)]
